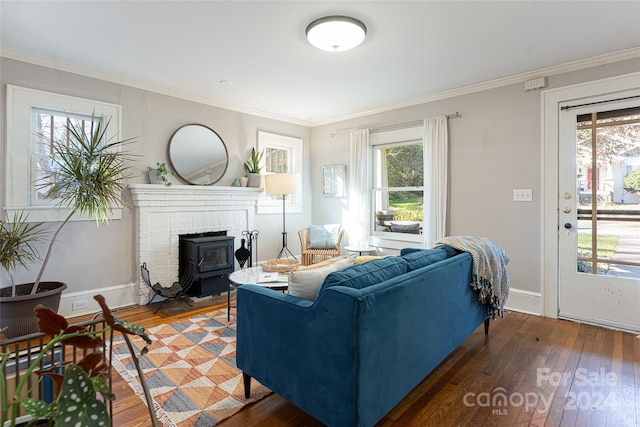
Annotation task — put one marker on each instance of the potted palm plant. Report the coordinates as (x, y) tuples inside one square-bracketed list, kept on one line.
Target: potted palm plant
[(252, 166), (17, 243), (88, 180), (17, 247)]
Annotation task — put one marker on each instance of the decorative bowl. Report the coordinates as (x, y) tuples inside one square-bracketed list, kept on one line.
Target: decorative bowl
[(279, 265)]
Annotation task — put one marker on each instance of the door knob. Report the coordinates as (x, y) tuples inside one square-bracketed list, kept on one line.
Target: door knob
[(567, 225)]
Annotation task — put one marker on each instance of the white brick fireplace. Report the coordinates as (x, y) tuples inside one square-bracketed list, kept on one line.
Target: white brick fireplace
[(163, 213)]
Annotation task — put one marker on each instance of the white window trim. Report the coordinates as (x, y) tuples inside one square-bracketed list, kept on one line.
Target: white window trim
[(397, 240), (294, 201), (20, 102)]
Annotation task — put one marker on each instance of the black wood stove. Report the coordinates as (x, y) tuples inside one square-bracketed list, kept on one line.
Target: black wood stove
[(212, 255)]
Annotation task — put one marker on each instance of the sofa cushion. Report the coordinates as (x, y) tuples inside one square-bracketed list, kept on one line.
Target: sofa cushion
[(306, 283), (361, 275), (422, 258), (450, 251), (323, 236)]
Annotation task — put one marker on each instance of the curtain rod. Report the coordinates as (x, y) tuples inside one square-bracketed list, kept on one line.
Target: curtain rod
[(379, 128), (568, 107)]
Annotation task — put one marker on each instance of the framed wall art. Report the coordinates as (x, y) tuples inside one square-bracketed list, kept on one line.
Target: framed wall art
[(333, 180)]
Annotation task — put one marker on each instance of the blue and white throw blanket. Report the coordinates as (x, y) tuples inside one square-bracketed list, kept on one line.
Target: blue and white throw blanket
[(490, 277)]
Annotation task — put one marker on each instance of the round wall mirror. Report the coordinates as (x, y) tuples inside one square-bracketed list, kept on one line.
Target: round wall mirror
[(198, 154)]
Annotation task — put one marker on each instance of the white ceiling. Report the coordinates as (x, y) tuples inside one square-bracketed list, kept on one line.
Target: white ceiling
[(414, 50)]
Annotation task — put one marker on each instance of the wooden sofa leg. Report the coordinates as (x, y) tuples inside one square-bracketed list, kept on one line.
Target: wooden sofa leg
[(246, 379), (486, 326)]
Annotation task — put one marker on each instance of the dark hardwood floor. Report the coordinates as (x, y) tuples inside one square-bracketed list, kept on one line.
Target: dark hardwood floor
[(529, 371)]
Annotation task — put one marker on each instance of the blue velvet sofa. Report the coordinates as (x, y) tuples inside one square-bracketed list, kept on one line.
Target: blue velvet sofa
[(374, 332)]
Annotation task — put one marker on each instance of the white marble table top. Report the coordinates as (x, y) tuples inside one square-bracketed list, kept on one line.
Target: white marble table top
[(360, 248), (251, 275)]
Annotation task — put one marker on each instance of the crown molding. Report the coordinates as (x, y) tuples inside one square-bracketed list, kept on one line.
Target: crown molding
[(138, 84), (599, 60), (608, 58)]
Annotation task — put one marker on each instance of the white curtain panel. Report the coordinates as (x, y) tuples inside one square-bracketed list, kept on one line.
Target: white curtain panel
[(436, 139), (359, 182)]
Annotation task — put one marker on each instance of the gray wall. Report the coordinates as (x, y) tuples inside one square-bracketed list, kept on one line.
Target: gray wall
[(91, 257), (495, 147)]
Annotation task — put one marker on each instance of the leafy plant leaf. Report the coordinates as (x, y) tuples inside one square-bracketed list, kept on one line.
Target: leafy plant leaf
[(49, 322), (38, 408), (253, 164), (94, 365), (16, 241), (81, 341), (123, 326), (77, 403), (101, 386)]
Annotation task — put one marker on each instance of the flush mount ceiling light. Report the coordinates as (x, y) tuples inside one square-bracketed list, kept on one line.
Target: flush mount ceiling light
[(336, 33)]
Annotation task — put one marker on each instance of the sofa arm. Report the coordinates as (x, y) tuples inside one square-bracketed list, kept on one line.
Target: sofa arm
[(293, 346)]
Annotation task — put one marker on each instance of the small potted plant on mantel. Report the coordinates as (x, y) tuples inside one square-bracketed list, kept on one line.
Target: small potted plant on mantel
[(87, 178), (252, 166), (158, 175), (75, 402)]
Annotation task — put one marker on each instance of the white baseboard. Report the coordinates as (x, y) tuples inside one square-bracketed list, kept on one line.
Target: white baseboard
[(123, 295), (116, 296), (524, 302)]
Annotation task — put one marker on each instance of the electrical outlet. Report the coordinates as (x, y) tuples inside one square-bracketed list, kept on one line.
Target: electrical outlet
[(79, 305), (522, 195)]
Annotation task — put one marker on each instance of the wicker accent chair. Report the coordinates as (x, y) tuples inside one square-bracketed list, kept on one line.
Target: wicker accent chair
[(314, 256)]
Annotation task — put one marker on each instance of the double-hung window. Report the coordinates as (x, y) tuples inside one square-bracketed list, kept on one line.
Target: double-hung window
[(282, 154), (50, 126), (397, 194), (34, 120)]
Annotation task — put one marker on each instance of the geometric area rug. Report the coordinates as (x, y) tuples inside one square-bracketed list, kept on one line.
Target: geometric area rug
[(190, 370)]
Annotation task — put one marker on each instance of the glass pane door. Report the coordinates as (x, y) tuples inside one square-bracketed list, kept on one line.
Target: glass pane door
[(608, 193)]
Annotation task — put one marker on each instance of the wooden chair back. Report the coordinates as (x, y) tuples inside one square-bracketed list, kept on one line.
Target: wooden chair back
[(313, 256)]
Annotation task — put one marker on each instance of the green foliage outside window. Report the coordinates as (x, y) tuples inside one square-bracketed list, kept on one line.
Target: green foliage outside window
[(632, 182), (405, 168)]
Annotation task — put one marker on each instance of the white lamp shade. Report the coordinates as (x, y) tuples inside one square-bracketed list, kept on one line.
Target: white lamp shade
[(283, 183), (336, 33)]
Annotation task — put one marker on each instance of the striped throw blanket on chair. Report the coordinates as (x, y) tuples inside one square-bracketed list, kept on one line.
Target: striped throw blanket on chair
[(490, 277)]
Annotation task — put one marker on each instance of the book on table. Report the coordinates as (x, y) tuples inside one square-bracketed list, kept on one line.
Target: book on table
[(272, 278)]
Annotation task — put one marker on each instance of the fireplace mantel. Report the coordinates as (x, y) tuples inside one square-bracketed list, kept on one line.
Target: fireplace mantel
[(155, 192), (163, 213)]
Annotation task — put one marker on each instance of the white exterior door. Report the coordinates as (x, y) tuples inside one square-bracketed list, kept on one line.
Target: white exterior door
[(598, 219)]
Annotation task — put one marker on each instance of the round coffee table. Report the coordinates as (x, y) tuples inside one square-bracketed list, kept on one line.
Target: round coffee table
[(251, 276), (360, 248)]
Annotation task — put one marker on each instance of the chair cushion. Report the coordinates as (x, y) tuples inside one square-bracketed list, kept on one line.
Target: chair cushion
[(306, 283), (323, 236), (412, 228), (422, 258), (361, 275)]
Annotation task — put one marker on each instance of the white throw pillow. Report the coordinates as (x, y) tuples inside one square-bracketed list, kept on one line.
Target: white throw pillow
[(306, 283), (323, 236)]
